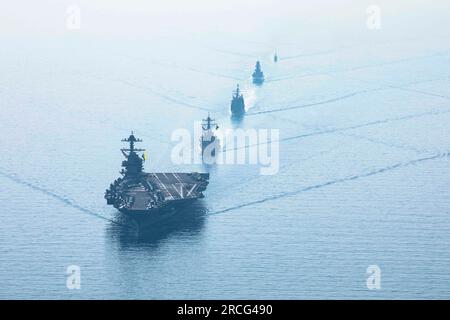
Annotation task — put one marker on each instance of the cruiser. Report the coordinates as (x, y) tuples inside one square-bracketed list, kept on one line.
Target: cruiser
[(210, 143)]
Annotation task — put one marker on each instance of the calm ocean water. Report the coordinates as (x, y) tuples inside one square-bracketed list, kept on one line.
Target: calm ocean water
[(364, 173)]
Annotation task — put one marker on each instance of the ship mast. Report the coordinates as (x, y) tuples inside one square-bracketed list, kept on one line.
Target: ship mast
[(237, 92), (208, 122), (258, 67)]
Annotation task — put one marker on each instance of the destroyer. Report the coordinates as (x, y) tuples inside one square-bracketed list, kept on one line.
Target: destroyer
[(151, 196), (258, 75), (237, 104)]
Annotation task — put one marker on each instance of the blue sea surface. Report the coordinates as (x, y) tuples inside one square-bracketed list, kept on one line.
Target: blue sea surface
[(364, 172)]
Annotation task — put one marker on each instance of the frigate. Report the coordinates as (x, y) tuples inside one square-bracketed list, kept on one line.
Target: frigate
[(151, 196), (237, 104), (258, 75)]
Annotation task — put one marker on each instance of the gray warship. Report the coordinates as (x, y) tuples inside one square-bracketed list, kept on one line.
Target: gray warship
[(149, 197), (237, 104), (210, 143), (258, 75)]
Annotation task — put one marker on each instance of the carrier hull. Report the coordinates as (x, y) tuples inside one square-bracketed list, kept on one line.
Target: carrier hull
[(156, 216)]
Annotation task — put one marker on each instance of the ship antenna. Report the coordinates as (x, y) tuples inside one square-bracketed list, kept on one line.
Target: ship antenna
[(131, 140)]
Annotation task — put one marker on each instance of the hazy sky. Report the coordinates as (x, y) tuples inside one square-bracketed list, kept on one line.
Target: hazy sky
[(134, 17)]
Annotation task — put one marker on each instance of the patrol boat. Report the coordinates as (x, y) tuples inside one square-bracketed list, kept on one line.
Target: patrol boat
[(150, 197), (258, 75), (237, 104)]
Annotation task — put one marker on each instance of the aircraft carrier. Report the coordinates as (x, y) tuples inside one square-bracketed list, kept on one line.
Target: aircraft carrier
[(151, 196)]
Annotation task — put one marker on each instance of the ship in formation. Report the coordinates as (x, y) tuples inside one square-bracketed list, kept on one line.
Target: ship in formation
[(237, 104), (209, 141), (151, 196), (258, 75)]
